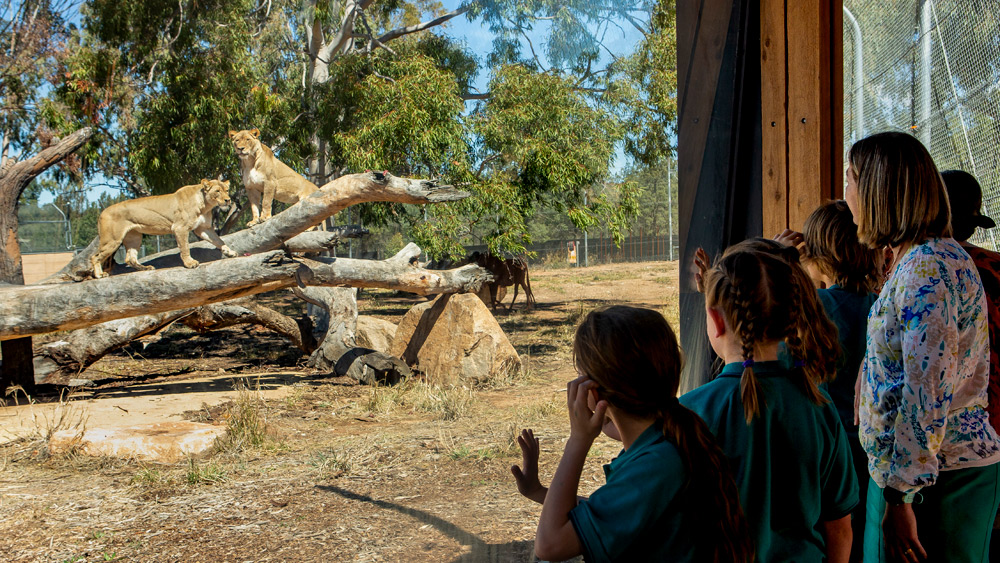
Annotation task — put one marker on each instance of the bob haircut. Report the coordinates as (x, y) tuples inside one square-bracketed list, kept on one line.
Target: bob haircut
[(901, 196)]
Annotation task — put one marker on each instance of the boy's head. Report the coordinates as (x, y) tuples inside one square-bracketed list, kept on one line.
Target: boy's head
[(831, 244), (966, 197)]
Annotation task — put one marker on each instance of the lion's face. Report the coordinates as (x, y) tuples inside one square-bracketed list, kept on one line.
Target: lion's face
[(217, 193), (246, 143)]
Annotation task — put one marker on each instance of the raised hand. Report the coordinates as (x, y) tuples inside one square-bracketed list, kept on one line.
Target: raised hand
[(527, 479), (701, 264), (584, 424), (791, 238)]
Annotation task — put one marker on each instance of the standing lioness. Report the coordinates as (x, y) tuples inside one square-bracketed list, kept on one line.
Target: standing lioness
[(265, 177), (189, 209)]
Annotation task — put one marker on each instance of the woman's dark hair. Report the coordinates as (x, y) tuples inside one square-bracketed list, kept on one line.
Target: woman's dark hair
[(766, 296), (832, 244), (633, 356)]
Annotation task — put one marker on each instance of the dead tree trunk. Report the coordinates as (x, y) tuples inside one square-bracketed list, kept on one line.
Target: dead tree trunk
[(280, 229), (62, 362), (16, 367), (38, 309)]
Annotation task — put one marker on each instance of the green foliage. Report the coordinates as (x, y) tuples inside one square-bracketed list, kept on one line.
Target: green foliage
[(162, 82)]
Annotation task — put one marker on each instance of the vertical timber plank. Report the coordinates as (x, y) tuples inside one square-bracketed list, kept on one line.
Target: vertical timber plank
[(809, 143), (774, 118), (837, 99)]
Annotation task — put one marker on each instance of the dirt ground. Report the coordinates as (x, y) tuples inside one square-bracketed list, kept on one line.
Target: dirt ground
[(319, 469)]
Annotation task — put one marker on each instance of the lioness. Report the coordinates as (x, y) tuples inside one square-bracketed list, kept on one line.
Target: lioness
[(186, 210), (265, 177)]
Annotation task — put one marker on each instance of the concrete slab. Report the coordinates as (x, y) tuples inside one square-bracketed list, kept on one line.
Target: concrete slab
[(161, 442), (138, 406)]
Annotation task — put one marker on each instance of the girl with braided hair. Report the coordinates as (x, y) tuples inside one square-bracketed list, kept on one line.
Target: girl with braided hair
[(669, 495), (789, 452)]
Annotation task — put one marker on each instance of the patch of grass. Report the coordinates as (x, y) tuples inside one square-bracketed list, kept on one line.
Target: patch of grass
[(449, 403), (504, 376), (147, 476), (295, 398), (332, 463), (246, 420), (209, 474), (44, 423)]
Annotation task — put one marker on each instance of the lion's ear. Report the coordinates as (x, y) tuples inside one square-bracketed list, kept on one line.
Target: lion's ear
[(226, 183), (232, 134), (206, 184), (255, 132)]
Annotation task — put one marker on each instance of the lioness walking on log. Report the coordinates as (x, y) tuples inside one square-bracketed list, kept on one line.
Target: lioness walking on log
[(265, 177), (189, 209)]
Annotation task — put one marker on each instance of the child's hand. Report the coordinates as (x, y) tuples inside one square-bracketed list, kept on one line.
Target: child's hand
[(584, 424), (701, 264), (790, 238), (527, 479)]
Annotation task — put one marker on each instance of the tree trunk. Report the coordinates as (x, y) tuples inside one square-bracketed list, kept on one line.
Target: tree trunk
[(61, 362), (16, 367), (338, 352), (311, 211), (38, 309)]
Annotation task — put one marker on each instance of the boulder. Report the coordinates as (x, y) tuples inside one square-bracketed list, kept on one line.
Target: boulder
[(374, 333), (455, 339), (163, 442)]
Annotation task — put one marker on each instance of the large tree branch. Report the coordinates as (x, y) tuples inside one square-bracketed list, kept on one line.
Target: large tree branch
[(18, 176), (401, 31), (329, 200), (38, 309)]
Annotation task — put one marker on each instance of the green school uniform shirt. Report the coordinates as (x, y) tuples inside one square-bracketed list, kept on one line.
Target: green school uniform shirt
[(792, 464), (638, 515), (849, 312)]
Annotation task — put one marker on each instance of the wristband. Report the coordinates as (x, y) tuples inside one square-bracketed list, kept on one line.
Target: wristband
[(896, 498)]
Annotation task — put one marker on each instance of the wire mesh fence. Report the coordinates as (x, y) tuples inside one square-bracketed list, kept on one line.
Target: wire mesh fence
[(931, 68)]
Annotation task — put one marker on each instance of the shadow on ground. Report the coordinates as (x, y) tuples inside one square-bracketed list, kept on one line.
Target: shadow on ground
[(480, 550)]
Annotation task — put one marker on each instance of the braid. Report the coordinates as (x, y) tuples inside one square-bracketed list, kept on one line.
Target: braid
[(708, 471), (811, 337), (749, 386)]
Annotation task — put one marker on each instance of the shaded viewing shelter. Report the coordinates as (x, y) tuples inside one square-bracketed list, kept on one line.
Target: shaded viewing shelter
[(760, 131)]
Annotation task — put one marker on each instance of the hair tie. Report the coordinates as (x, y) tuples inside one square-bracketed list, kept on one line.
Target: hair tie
[(748, 363), (799, 364)]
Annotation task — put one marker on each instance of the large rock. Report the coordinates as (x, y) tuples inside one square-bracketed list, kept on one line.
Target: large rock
[(454, 339), (163, 442), (376, 334)]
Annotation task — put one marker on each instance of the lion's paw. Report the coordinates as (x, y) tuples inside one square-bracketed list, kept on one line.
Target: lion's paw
[(191, 263), (228, 252)]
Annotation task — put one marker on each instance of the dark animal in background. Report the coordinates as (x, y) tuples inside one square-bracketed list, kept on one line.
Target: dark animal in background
[(509, 272)]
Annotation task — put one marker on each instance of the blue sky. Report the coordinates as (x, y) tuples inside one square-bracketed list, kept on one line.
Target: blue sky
[(479, 40)]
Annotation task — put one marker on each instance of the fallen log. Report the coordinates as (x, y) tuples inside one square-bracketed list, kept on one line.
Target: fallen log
[(39, 309), (272, 234)]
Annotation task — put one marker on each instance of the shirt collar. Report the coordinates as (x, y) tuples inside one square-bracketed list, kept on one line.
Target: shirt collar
[(776, 367)]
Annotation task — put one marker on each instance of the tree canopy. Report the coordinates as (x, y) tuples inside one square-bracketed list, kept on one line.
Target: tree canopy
[(344, 87)]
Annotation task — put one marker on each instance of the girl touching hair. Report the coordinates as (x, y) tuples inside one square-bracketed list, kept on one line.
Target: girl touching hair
[(669, 495)]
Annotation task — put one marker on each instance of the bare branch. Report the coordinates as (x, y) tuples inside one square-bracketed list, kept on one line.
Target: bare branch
[(401, 31)]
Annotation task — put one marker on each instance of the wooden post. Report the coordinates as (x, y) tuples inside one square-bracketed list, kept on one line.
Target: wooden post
[(801, 109)]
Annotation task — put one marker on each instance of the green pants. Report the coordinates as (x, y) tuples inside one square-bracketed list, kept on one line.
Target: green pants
[(954, 517)]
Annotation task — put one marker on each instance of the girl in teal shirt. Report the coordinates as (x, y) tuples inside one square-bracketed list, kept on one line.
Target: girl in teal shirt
[(669, 495), (788, 449)]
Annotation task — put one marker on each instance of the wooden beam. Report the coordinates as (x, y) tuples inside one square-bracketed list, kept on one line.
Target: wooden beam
[(801, 106)]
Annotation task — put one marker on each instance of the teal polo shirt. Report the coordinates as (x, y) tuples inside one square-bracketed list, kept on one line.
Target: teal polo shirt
[(792, 464), (638, 515), (849, 313)]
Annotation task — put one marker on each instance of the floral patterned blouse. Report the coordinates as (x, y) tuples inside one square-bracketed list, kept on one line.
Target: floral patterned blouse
[(924, 377)]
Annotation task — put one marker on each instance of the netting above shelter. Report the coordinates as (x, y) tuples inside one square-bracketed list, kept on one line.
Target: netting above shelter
[(931, 68)]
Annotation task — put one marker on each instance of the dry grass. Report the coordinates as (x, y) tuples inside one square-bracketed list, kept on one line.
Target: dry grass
[(246, 420)]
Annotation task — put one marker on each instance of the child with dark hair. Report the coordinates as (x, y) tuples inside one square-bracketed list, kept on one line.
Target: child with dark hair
[(790, 453), (669, 495)]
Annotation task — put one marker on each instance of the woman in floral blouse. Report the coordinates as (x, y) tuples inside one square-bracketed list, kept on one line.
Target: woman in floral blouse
[(932, 454)]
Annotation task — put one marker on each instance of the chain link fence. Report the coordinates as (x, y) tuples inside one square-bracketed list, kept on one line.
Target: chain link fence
[(931, 68)]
